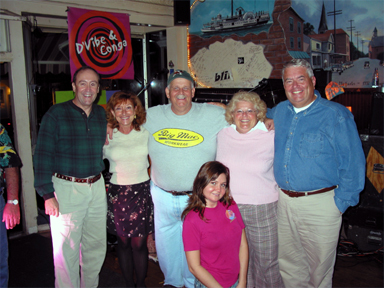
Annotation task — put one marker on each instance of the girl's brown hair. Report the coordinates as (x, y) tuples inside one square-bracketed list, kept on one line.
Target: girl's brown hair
[(208, 172)]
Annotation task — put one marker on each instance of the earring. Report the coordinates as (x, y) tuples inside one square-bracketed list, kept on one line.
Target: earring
[(134, 117)]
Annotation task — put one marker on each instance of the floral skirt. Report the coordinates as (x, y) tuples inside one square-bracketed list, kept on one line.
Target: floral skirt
[(130, 210)]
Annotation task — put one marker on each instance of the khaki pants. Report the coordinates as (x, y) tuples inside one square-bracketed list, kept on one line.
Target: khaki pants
[(308, 231), (79, 233)]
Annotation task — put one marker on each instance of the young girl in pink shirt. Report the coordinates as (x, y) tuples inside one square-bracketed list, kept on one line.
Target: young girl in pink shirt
[(213, 231)]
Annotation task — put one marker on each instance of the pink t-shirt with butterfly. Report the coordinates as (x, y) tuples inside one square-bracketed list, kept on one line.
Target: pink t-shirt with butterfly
[(218, 239)]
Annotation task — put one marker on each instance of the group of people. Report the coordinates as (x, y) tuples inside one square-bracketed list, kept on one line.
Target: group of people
[(232, 202), (289, 186)]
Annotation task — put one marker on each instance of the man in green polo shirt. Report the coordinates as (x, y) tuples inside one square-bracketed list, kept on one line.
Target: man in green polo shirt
[(68, 164)]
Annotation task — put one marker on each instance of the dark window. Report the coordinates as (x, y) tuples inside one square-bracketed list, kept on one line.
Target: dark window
[(314, 60), (299, 43), (291, 43), (291, 24), (299, 27), (318, 60)]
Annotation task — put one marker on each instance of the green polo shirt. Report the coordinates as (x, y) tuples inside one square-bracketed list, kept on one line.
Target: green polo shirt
[(69, 143)]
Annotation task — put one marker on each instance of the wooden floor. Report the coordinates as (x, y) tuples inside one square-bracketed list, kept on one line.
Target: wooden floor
[(31, 265)]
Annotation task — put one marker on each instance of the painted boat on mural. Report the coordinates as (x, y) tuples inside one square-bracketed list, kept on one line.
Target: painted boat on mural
[(241, 20)]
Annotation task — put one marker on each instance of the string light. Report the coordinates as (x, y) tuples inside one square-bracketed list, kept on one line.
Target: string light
[(189, 60), (194, 3)]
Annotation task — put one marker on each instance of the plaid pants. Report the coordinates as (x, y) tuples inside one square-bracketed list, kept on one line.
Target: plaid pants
[(261, 230)]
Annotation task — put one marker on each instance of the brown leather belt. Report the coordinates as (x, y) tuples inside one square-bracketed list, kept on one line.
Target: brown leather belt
[(291, 193), (177, 193), (181, 193), (78, 180)]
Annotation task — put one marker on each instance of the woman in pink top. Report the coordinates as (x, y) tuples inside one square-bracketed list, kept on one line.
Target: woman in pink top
[(213, 231), (247, 149)]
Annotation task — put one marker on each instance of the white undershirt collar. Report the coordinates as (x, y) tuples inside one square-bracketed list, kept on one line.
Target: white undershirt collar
[(297, 110), (260, 126)]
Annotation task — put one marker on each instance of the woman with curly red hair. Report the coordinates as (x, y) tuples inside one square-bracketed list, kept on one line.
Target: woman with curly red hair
[(130, 208)]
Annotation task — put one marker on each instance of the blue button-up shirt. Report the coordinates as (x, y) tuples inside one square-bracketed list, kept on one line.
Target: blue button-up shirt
[(318, 147)]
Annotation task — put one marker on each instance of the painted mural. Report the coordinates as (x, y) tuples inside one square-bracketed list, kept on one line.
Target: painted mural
[(232, 62), (359, 54), (236, 43), (227, 17)]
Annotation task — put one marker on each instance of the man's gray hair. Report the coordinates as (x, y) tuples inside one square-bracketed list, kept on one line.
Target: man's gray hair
[(298, 63)]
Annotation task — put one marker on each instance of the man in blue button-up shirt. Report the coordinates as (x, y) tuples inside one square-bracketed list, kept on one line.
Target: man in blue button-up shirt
[(320, 169)]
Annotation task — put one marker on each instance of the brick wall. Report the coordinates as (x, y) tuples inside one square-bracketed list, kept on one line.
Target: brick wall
[(284, 20)]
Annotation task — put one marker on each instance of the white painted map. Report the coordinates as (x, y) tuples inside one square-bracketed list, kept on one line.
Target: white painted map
[(231, 64)]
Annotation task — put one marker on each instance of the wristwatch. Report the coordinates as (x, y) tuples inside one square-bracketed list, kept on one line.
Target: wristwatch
[(14, 202)]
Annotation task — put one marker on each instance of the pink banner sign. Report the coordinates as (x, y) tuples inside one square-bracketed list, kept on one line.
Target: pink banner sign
[(101, 40)]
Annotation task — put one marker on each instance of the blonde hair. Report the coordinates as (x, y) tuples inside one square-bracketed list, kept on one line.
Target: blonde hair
[(252, 97)]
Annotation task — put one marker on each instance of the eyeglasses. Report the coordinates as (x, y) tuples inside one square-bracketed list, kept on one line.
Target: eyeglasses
[(247, 112)]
